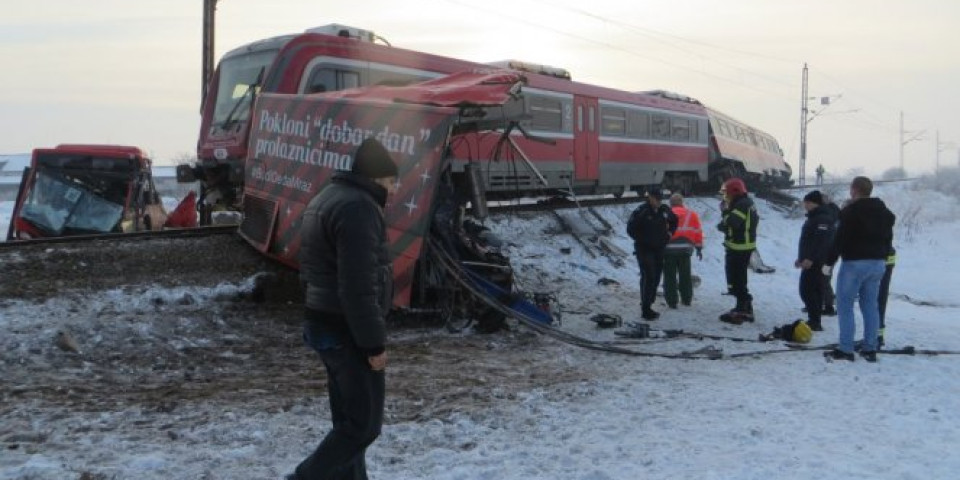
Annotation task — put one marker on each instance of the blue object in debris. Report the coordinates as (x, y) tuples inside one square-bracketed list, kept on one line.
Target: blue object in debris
[(517, 303)]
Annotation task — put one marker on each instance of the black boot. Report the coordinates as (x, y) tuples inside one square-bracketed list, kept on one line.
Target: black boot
[(837, 354), (744, 310)]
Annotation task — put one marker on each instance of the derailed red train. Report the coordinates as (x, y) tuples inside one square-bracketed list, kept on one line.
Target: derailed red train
[(284, 113), (601, 140)]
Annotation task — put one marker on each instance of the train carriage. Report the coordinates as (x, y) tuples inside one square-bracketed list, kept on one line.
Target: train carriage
[(588, 139)]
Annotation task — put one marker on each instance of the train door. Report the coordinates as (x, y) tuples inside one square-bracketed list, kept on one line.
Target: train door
[(586, 138)]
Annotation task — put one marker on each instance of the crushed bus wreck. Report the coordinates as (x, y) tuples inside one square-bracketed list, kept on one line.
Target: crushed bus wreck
[(297, 142), (87, 189)]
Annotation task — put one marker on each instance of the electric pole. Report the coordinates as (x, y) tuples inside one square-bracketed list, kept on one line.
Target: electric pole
[(916, 136), (806, 118), (802, 175), (942, 147), (209, 21), (902, 143)]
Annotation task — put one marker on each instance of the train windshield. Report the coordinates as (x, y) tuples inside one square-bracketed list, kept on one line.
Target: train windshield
[(240, 79), (56, 205)]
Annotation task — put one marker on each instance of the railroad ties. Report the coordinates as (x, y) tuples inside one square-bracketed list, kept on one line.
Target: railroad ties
[(592, 232)]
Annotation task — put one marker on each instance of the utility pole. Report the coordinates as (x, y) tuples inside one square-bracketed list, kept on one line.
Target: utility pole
[(916, 136), (806, 118), (802, 176), (941, 147), (902, 143), (209, 22)]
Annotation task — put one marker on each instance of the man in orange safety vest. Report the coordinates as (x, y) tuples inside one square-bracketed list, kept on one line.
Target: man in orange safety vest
[(676, 262)]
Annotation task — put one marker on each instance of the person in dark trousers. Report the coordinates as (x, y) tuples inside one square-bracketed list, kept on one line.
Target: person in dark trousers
[(816, 239), (676, 261), (650, 226), (884, 293), (829, 298), (738, 222), (346, 271), (863, 240)]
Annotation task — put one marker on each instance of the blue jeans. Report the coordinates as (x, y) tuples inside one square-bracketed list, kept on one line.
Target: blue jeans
[(859, 278)]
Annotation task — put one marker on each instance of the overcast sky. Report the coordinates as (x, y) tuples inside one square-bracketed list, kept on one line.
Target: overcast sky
[(115, 71)]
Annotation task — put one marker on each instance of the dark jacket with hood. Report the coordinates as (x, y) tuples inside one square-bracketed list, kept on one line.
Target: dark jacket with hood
[(344, 260), (865, 231), (816, 237), (651, 228)]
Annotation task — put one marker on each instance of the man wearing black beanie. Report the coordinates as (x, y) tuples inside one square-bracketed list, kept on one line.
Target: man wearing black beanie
[(346, 271), (816, 239)]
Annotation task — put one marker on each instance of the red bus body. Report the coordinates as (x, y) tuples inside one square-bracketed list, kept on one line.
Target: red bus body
[(83, 189), (299, 141)]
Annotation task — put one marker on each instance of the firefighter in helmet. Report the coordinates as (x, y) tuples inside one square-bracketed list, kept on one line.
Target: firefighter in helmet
[(739, 220)]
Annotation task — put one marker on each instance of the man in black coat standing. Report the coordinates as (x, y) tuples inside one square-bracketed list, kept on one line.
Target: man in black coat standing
[(816, 239), (346, 271), (650, 226)]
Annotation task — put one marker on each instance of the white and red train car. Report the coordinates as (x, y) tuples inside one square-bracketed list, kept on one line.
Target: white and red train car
[(601, 140)]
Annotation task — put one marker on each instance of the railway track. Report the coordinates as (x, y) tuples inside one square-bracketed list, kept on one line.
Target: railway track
[(38, 270), (776, 196), (560, 203), (121, 237)]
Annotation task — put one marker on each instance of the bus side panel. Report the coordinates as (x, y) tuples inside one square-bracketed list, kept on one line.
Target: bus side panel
[(298, 142)]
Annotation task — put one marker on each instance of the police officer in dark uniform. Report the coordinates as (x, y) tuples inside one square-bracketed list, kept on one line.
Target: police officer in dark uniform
[(816, 239), (650, 226)]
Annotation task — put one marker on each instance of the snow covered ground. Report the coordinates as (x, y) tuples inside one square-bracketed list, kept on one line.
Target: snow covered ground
[(784, 416)]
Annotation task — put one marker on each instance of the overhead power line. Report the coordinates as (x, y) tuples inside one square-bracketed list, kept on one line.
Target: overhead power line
[(626, 50)]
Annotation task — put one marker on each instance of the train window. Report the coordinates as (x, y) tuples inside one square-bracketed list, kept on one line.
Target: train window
[(547, 113), (613, 121), (394, 79), (592, 125), (661, 127), (330, 79), (579, 118), (638, 124), (724, 128), (322, 80), (347, 79), (680, 129), (771, 144), (740, 133)]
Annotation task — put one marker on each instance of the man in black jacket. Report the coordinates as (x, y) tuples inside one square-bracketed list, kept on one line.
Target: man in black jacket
[(863, 240), (347, 274), (650, 226), (738, 222), (816, 239)]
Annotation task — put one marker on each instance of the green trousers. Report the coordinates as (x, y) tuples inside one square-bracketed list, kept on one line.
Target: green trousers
[(677, 264)]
